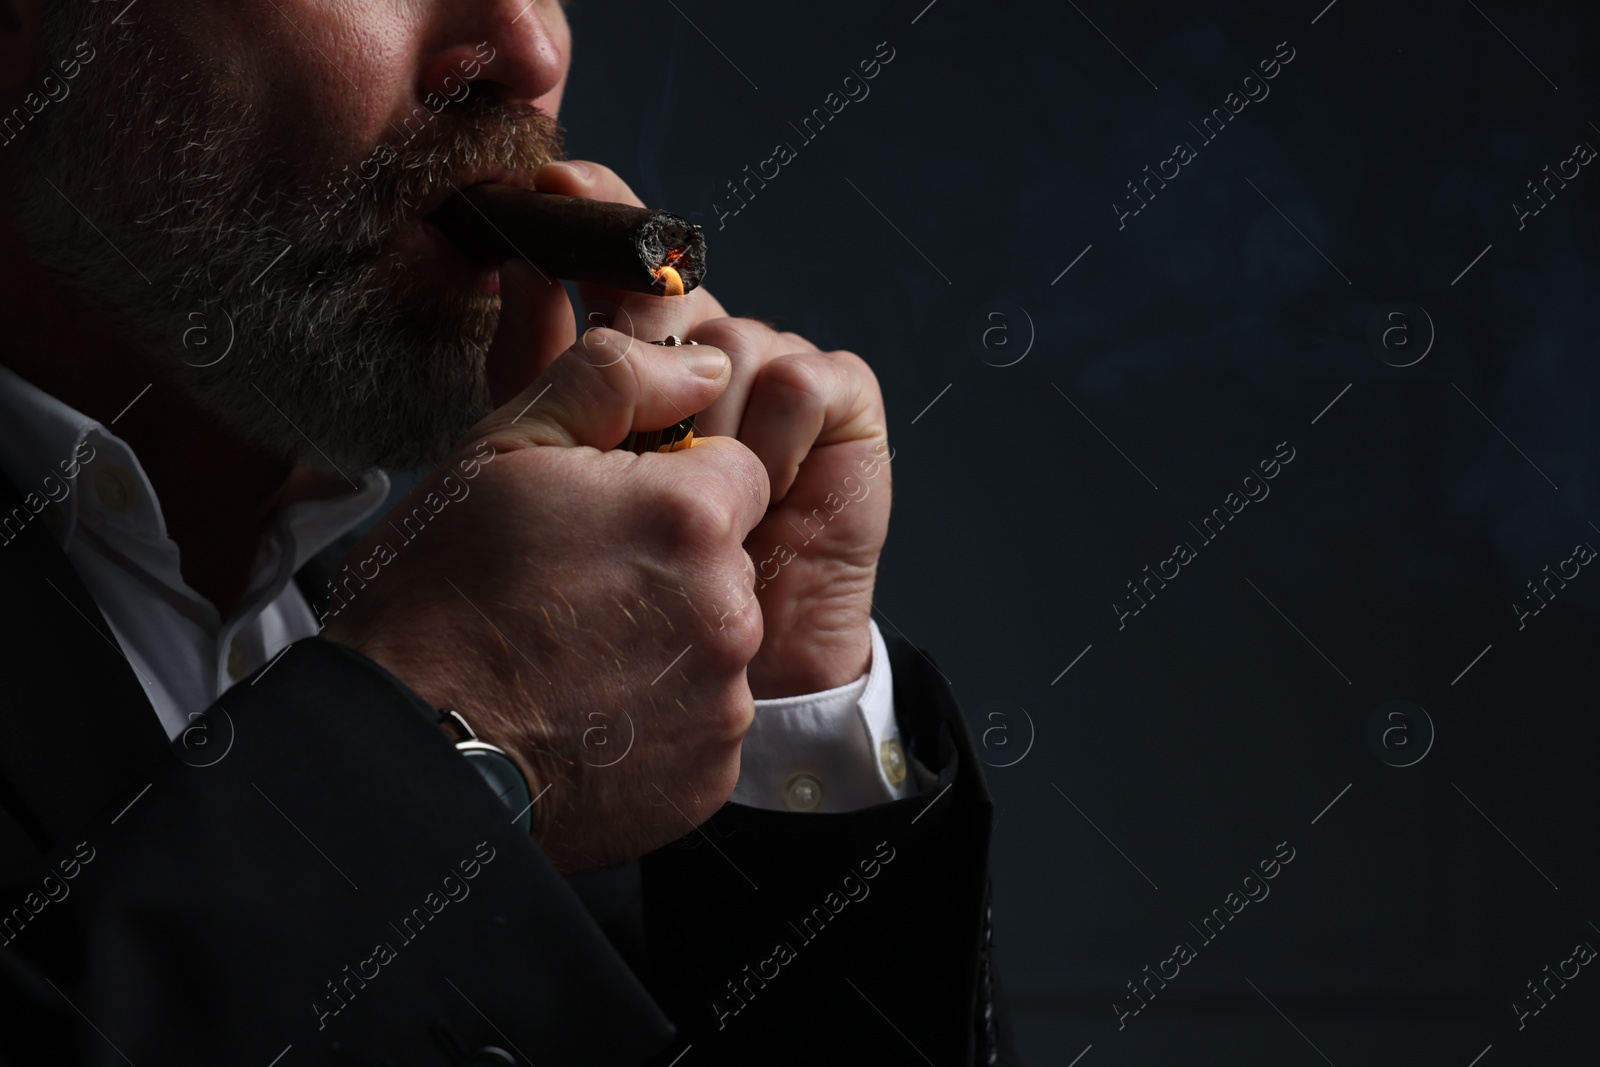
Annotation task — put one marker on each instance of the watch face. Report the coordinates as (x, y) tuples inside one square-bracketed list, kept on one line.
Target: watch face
[(504, 777)]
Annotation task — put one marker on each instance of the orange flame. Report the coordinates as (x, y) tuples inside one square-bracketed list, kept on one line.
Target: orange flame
[(671, 280), (689, 440)]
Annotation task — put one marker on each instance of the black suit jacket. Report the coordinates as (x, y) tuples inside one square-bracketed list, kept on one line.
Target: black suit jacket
[(314, 873)]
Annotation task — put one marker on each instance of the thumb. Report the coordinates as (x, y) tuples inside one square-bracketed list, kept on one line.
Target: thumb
[(536, 325), (609, 384)]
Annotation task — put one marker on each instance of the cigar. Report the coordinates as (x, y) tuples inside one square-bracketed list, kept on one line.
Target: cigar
[(615, 245)]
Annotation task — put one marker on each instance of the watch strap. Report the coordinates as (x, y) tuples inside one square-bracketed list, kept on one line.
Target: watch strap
[(498, 770)]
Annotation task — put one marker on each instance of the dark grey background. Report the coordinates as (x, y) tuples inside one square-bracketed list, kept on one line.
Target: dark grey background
[(1220, 321)]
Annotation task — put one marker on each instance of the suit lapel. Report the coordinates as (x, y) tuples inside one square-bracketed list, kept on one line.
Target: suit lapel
[(77, 732)]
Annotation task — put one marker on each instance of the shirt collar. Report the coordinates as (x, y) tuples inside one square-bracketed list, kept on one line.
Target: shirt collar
[(77, 472)]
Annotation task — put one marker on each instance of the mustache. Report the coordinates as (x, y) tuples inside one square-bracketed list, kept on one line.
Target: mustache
[(353, 212)]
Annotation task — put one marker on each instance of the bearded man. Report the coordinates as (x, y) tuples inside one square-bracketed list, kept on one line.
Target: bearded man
[(244, 751)]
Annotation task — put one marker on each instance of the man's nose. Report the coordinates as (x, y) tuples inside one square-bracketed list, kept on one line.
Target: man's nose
[(511, 48)]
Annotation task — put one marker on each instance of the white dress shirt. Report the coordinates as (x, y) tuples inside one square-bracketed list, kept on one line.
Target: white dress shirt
[(832, 751)]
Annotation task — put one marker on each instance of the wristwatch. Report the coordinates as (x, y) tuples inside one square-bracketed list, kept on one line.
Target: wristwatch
[(498, 769)]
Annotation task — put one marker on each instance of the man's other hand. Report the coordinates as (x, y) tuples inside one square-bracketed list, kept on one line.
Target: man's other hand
[(816, 421), (575, 602)]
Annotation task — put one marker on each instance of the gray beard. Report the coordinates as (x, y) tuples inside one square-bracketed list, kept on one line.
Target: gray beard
[(151, 192)]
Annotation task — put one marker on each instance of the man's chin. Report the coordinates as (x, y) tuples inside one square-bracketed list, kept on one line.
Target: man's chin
[(388, 395), (402, 445)]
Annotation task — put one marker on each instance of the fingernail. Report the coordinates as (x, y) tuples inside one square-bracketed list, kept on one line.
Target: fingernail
[(581, 170), (706, 364)]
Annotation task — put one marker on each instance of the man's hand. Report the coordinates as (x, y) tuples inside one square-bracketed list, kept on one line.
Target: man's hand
[(548, 586), (816, 422)]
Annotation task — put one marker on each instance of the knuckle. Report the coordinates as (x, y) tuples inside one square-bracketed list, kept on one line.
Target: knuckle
[(747, 479), (799, 376), (685, 516), (858, 369), (737, 337), (737, 636), (861, 384), (601, 346)]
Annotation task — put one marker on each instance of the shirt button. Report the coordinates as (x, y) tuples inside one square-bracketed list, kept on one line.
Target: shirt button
[(235, 660), (893, 761), (114, 488), (802, 793)]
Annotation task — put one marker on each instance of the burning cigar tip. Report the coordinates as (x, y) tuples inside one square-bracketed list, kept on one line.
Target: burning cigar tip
[(615, 245)]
